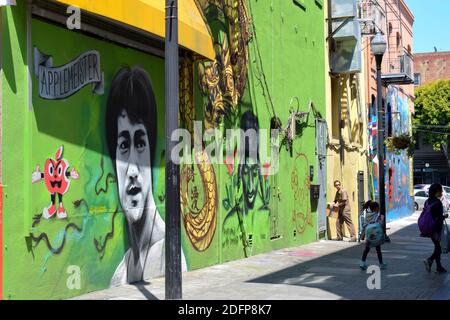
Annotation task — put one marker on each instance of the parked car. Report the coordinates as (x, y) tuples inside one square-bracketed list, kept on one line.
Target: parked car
[(422, 186), (446, 189), (420, 196), (425, 187)]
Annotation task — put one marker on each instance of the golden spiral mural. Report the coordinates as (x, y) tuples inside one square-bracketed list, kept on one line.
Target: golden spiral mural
[(222, 82), (200, 225)]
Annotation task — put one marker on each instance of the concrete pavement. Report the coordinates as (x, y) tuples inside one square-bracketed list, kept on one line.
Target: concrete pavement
[(323, 270)]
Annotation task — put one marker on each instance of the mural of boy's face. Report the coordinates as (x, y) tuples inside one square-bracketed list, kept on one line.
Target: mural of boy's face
[(250, 181), (133, 167)]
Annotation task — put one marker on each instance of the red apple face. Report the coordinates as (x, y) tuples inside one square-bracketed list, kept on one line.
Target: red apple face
[(55, 176)]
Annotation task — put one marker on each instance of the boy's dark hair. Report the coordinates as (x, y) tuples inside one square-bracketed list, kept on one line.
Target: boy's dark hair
[(434, 188), (334, 183), (131, 90), (248, 147), (372, 205)]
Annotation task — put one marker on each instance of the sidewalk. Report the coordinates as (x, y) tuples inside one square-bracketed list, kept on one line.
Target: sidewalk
[(322, 270)]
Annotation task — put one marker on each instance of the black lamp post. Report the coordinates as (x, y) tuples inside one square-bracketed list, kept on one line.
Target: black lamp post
[(378, 49), (173, 223)]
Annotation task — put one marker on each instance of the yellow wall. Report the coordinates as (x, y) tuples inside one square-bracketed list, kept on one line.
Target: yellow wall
[(343, 94)]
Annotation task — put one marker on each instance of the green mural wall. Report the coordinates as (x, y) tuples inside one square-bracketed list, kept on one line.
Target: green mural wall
[(269, 68)]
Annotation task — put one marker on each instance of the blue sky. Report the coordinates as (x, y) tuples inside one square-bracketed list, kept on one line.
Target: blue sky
[(432, 24)]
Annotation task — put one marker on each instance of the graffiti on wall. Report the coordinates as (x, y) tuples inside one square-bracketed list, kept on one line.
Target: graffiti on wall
[(300, 183), (198, 186), (247, 184), (250, 170), (224, 80), (400, 203), (130, 136), (131, 139), (397, 178), (57, 176), (114, 228), (222, 84), (200, 223)]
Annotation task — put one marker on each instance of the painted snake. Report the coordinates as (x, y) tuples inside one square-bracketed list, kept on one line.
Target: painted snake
[(222, 82)]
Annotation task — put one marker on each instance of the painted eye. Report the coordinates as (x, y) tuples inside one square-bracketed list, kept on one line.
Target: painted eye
[(140, 145), (59, 170), (51, 169), (124, 145)]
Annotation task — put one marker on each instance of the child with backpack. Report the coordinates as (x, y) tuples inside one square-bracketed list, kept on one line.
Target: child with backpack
[(430, 223), (373, 233)]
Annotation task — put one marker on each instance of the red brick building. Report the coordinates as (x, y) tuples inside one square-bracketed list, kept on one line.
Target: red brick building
[(431, 66)]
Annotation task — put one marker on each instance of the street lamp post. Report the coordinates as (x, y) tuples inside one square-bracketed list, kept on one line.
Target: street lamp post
[(173, 222), (378, 45)]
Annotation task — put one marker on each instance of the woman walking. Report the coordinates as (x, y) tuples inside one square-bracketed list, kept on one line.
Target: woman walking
[(437, 212)]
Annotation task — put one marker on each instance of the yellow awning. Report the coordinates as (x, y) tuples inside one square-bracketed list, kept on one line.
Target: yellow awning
[(149, 15)]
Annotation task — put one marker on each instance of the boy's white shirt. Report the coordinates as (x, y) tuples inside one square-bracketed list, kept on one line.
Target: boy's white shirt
[(371, 217)]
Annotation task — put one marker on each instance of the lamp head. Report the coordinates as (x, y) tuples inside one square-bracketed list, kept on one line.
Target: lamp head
[(378, 45)]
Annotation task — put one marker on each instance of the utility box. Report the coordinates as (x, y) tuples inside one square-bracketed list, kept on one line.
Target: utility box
[(346, 57), (349, 30), (315, 192), (346, 38)]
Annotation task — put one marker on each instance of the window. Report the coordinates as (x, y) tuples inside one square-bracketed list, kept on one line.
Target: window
[(421, 194), (300, 3), (417, 79), (336, 124)]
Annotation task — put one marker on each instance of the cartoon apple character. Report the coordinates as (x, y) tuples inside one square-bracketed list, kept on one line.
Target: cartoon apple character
[(56, 177)]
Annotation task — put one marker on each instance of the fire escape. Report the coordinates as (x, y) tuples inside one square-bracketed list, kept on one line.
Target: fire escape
[(351, 20), (386, 17)]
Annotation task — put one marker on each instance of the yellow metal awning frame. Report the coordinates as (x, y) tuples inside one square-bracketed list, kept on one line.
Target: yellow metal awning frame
[(149, 16)]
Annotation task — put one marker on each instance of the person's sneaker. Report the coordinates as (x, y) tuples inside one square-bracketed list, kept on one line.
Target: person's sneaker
[(387, 239), (62, 214), (353, 239), (338, 239), (428, 264), (49, 212), (363, 266), (383, 266), (441, 270)]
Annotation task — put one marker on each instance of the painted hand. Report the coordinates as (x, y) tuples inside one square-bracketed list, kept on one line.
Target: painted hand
[(74, 174), (36, 176)]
